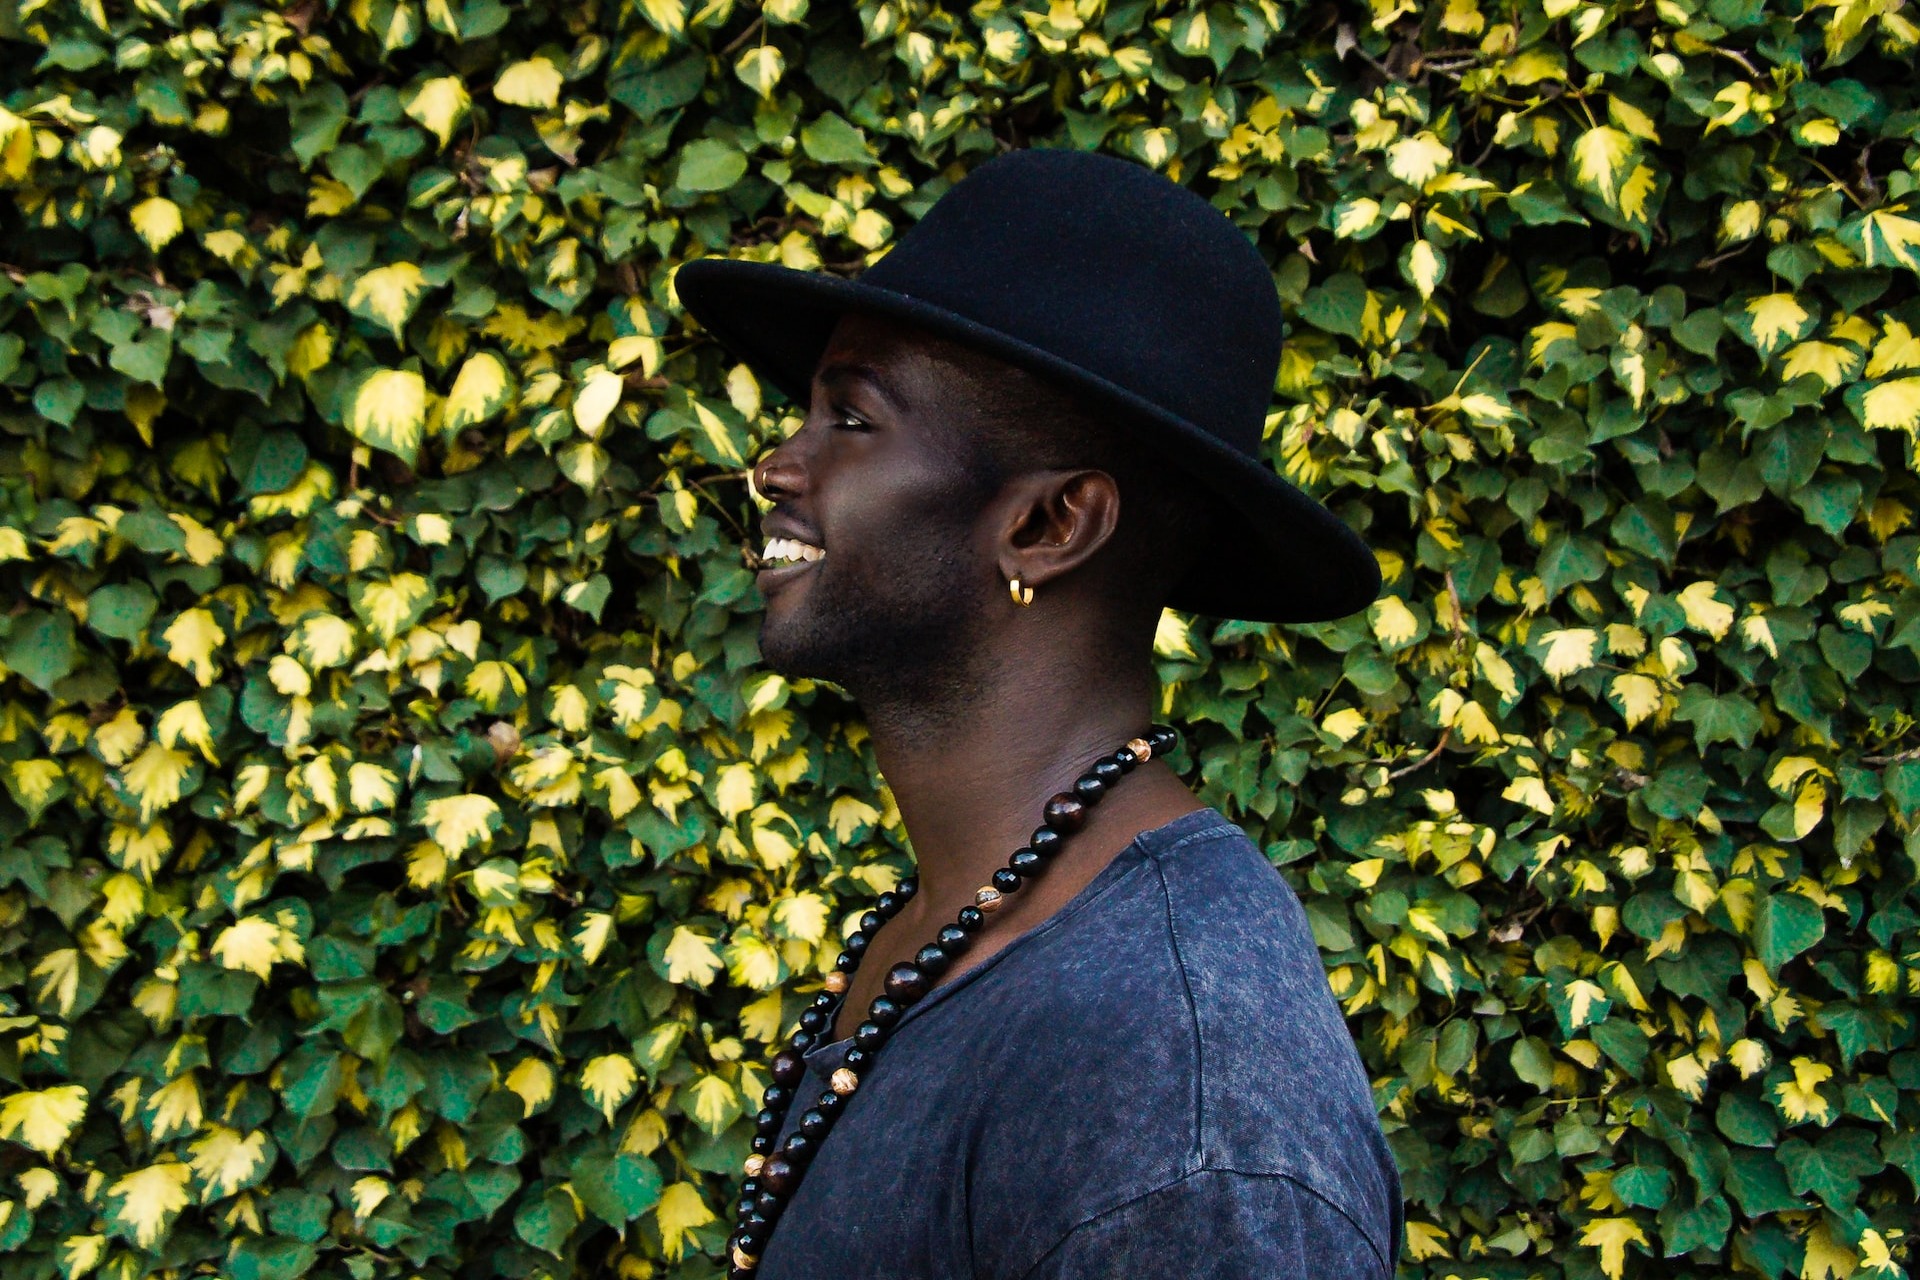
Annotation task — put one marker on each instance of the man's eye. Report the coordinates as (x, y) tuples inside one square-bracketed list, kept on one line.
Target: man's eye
[(841, 418)]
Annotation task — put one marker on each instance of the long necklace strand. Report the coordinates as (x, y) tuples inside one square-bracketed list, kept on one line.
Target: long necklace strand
[(773, 1175)]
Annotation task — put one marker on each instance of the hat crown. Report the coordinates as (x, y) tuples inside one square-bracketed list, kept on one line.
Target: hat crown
[(1113, 268)]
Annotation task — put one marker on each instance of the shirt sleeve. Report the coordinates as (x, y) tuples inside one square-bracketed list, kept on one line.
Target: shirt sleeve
[(1217, 1225)]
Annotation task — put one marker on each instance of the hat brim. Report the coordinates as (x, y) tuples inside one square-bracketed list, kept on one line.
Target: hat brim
[(1283, 556)]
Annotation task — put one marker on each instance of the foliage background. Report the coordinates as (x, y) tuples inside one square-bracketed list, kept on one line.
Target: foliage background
[(404, 862)]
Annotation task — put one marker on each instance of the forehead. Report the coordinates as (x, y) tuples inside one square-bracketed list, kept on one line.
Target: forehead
[(918, 371)]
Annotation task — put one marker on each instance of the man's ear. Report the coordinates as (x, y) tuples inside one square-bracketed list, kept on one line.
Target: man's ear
[(1056, 521)]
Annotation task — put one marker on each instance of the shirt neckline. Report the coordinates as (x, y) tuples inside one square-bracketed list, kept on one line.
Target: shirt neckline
[(823, 1059)]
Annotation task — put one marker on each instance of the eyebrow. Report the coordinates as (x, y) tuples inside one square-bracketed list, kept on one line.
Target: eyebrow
[(843, 371)]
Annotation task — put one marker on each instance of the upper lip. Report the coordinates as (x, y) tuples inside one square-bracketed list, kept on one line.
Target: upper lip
[(786, 529)]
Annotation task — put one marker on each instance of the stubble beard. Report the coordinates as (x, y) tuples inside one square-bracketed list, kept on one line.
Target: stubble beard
[(900, 637)]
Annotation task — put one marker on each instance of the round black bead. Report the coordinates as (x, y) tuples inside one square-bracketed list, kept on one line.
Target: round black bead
[(830, 1104), (1107, 771), (871, 921), (825, 1000), (1025, 862), (905, 983), (788, 1068), (779, 1175), (857, 1060), (775, 1097), (753, 1238), (847, 962), (931, 960), (813, 1124), (743, 1206), (1005, 880), (1044, 841), (769, 1206), (1065, 812), (1163, 738), (869, 1036), (1125, 759), (768, 1121), (814, 1020), (801, 1041), (907, 888), (884, 1011), (762, 1144), (1089, 788), (887, 903), (799, 1148), (856, 945), (971, 919), (953, 940)]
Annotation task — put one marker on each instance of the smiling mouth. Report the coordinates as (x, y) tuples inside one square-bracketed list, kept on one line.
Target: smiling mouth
[(785, 558)]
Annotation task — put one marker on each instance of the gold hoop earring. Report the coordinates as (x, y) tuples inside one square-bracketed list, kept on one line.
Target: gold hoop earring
[(1021, 595)]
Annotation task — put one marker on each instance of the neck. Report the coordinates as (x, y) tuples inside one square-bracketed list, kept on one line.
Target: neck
[(971, 774)]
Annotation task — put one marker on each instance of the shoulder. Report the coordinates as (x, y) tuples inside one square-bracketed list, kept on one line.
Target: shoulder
[(1216, 1223), (1179, 1025)]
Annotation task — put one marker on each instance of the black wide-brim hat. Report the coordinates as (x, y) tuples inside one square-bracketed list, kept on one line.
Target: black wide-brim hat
[(1124, 286)]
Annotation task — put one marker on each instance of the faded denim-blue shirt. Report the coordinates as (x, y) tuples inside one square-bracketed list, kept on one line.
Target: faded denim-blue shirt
[(1153, 1082)]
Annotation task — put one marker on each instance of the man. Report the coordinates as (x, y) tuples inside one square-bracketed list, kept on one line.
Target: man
[(1029, 428)]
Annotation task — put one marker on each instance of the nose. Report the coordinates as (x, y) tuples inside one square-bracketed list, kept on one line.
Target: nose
[(778, 474)]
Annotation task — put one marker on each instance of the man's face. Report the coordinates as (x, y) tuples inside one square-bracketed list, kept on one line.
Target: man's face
[(876, 478)]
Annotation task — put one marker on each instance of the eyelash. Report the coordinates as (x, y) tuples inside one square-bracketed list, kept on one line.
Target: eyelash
[(841, 418)]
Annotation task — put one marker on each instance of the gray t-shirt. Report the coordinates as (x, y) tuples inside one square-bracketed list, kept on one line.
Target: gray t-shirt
[(1154, 1082)]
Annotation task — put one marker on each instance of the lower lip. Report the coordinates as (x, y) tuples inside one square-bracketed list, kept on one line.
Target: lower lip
[(773, 577)]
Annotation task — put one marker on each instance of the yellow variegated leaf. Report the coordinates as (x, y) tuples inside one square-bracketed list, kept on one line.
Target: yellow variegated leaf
[(388, 607), (1893, 405), (389, 411), (802, 916), (43, 1119), (1417, 160), (1705, 611), (1393, 622), (371, 787), (457, 823), (1602, 160), (225, 1160), (481, 389), (760, 68), (323, 640), (691, 958), (157, 220), (1638, 696), (599, 394), (191, 640), (147, 1200), (438, 105), (533, 1080), (609, 1080), (1568, 651), (1827, 361), (596, 927), (1778, 318), (251, 944), (534, 83), (388, 294), (680, 1209), (156, 778), (735, 790)]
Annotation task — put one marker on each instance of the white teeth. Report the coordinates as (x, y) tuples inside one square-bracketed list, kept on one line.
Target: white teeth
[(790, 549)]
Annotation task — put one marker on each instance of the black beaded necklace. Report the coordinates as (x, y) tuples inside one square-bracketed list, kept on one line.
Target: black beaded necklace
[(773, 1176)]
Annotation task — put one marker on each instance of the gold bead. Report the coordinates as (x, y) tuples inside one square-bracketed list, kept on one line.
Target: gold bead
[(987, 898), (755, 1163), (838, 982), (744, 1260), (844, 1081), (1141, 748)]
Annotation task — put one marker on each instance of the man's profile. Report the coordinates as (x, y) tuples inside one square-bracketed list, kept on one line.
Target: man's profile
[(1093, 1037)]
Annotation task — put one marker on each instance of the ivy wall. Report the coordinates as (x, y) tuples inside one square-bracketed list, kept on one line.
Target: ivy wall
[(405, 861)]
